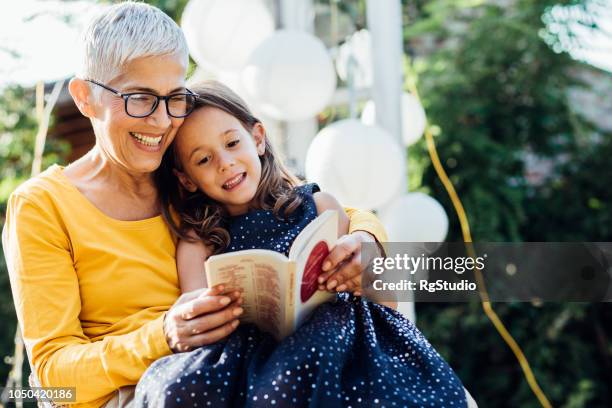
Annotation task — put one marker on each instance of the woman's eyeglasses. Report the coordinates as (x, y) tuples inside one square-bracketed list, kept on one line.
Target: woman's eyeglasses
[(143, 104)]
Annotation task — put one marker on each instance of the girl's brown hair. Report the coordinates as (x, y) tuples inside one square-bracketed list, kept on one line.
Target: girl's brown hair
[(198, 212)]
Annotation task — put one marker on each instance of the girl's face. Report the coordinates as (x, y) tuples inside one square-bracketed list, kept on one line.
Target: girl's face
[(220, 157)]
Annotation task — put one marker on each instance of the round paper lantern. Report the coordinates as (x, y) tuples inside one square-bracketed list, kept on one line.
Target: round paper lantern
[(358, 47), (234, 81), (362, 166), (290, 76), (231, 79), (413, 118), (221, 34), (415, 217)]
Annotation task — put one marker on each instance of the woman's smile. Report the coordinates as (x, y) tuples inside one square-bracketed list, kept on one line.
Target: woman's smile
[(147, 141)]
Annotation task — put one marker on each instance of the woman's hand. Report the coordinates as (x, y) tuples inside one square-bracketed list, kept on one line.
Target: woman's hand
[(342, 267), (201, 317)]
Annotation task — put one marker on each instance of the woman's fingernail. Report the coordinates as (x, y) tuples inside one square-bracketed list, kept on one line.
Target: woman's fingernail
[(341, 288), (238, 311), (326, 265), (321, 279), (332, 284), (235, 323), (225, 301)]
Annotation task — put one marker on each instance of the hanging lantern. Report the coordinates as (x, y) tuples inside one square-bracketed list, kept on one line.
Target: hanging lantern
[(359, 49), (234, 81), (290, 76), (413, 118), (362, 166), (221, 34), (231, 79), (415, 217)]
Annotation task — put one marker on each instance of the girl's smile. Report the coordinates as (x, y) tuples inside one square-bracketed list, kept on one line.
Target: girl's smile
[(234, 182)]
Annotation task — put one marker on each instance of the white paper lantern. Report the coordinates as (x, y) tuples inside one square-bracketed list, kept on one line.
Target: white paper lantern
[(415, 217), (290, 76), (222, 34), (358, 47), (362, 166), (234, 81), (413, 118), (231, 79)]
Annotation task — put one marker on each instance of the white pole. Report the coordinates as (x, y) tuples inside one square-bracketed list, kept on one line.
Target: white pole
[(385, 25), (298, 15)]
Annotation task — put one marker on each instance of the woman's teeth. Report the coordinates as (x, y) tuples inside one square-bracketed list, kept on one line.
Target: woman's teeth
[(146, 140), (234, 181)]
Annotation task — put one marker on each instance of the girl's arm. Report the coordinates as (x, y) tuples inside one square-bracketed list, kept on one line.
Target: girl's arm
[(190, 258), (366, 223), (326, 201)]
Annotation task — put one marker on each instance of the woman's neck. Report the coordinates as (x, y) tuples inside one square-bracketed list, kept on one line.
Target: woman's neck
[(113, 189), (97, 169)]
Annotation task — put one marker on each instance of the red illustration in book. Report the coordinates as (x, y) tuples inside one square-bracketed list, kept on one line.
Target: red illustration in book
[(312, 270)]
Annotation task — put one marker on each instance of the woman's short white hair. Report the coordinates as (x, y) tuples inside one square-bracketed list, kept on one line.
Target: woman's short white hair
[(126, 31)]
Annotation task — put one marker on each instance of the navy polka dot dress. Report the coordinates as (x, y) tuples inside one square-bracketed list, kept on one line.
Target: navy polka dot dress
[(350, 353)]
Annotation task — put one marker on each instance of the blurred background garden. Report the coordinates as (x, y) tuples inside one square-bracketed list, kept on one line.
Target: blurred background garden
[(518, 98)]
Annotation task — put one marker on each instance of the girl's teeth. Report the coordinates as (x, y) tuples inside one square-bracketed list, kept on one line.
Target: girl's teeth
[(234, 181), (147, 140)]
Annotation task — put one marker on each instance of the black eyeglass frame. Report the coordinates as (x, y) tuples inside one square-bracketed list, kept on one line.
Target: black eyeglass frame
[(127, 95)]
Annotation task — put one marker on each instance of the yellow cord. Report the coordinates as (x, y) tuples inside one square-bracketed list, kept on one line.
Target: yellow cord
[(467, 238)]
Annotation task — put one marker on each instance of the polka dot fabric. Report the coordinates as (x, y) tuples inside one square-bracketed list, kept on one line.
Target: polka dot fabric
[(260, 229), (350, 353)]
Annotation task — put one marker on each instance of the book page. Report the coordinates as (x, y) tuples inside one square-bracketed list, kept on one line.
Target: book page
[(263, 276)]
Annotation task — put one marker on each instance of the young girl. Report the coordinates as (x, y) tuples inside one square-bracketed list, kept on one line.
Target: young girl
[(228, 174), (230, 192)]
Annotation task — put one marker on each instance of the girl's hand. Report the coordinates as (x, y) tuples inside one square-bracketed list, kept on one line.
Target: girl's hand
[(342, 267), (201, 317)]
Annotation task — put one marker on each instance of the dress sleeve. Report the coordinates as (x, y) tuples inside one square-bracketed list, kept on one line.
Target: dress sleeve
[(366, 221), (47, 300)]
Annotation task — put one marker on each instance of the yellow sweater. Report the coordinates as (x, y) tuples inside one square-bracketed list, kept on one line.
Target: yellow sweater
[(91, 291)]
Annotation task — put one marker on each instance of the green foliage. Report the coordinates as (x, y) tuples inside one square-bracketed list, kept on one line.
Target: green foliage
[(496, 89), (17, 133)]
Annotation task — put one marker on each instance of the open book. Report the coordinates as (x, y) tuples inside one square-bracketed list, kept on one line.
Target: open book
[(279, 291)]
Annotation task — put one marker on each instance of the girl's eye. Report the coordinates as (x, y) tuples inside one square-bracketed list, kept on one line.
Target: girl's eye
[(204, 160), (233, 143)]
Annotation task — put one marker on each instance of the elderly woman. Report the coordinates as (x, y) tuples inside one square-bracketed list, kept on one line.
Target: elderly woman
[(91, 261)]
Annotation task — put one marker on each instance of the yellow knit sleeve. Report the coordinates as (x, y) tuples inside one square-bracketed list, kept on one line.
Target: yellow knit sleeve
[(45, 289), (366, 221)]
